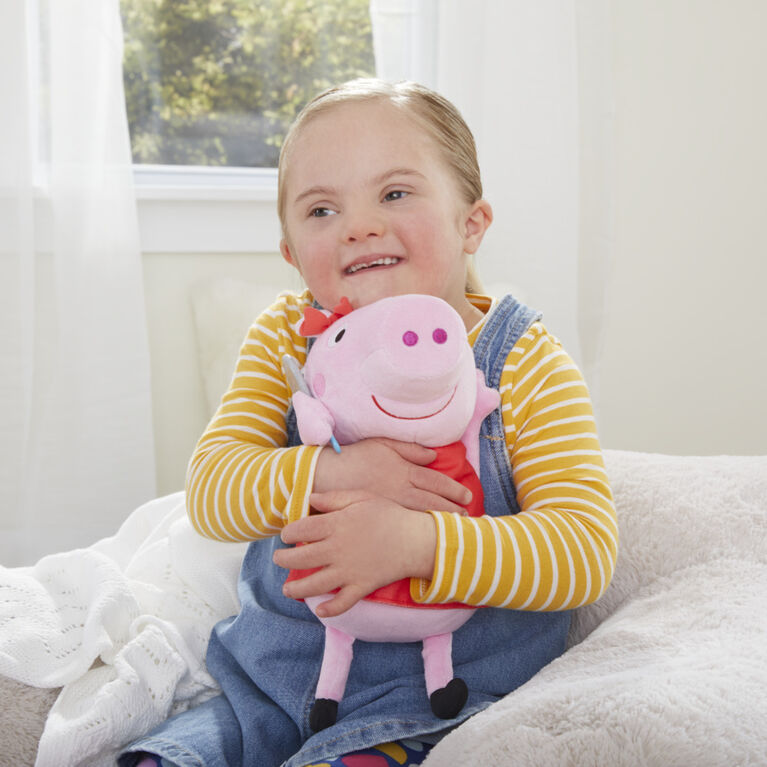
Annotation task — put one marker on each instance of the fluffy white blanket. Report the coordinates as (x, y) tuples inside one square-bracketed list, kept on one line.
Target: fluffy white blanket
[(669, 668)]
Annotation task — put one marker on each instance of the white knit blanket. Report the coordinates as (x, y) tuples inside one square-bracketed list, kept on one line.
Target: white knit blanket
[(122, 626), (669, 668)]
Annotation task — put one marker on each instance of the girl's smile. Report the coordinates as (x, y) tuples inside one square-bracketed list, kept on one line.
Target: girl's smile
[(374, 211), (366, 263)]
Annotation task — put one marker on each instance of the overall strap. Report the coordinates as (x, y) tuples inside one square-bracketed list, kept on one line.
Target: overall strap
[(507, 323)]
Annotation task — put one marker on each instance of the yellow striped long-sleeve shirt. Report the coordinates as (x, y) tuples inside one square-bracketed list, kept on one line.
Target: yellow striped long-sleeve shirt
[(557, 553)]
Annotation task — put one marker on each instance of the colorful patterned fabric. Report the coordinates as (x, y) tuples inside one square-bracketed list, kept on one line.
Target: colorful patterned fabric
[(403, 753)]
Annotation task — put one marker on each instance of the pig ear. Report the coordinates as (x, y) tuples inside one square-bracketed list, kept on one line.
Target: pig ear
[(314, 321)]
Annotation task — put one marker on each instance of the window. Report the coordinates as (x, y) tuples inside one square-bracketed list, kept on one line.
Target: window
[(212, 85), (217, 82)]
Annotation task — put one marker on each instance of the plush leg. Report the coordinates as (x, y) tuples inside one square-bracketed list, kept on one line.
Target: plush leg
[(447, 695), (149, 761), (336, 661)]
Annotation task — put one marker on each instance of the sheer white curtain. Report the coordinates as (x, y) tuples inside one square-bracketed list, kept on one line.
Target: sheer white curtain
[(76, 447), (516, 70)]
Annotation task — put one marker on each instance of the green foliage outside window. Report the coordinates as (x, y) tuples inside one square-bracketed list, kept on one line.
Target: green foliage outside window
[(217, 82)]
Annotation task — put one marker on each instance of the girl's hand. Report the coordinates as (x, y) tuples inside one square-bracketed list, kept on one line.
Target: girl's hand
[(393, 470), (368, 542)]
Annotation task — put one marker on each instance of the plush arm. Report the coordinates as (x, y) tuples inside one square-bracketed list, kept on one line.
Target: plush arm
[(488, 400), (315, 423)]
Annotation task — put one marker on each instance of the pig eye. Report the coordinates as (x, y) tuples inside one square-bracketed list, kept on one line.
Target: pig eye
[(333, 340)]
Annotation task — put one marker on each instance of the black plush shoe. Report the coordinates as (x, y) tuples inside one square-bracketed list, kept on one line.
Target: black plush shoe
[(447, 702), (323, 714)]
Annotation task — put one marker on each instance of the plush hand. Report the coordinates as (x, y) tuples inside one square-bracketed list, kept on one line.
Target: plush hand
[(365, 543), (315, 424)]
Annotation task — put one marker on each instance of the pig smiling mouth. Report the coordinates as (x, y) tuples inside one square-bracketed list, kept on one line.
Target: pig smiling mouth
[(413, 417)]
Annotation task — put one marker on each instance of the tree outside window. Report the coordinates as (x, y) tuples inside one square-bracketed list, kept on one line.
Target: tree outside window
[(217, 82)]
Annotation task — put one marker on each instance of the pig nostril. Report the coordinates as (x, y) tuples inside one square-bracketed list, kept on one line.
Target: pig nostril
[(439, 335), (410, 338)]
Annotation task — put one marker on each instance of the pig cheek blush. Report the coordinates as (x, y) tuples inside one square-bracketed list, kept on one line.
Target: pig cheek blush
[(318, 384)]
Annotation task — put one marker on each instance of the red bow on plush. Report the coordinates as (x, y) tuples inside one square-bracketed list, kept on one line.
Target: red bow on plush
[(316, 321)]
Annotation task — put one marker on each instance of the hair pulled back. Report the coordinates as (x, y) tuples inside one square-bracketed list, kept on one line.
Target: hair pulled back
[(433, 112)]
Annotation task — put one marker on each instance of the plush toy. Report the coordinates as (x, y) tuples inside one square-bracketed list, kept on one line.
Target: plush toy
[(401, 368)]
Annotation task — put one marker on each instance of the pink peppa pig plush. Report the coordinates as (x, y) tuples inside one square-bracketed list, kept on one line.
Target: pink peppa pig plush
[(401, 368)]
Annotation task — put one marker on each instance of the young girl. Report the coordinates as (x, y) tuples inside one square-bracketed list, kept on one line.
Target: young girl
[(380, 195)]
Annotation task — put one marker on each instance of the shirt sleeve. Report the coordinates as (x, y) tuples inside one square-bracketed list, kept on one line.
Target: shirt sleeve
[(559, 551), (242, 481)]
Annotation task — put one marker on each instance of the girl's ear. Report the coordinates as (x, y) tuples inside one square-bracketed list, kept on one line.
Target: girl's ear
[(479, 218), (286, 254)]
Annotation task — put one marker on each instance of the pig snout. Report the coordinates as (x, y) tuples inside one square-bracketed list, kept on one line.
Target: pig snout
[(419, 356)]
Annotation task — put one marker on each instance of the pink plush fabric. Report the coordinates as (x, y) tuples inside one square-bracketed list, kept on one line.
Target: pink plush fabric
[(402, 368)]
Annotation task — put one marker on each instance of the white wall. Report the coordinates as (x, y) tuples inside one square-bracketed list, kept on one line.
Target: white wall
[(684, 358), (180, 410), (683, 352)]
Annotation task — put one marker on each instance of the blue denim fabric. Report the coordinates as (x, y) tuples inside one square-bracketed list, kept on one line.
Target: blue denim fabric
[(267, 658)]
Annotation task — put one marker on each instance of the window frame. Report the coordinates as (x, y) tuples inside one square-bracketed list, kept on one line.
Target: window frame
[(201, 209)]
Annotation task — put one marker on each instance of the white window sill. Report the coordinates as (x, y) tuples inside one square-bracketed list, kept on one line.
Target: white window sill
[(190, 210), (193, 182), (187, 209)]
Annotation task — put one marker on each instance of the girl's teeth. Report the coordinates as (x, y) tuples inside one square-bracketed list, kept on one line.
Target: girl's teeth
[(377, 262)]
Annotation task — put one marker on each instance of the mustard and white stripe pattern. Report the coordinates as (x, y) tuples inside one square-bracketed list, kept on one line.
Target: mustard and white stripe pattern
[(242, 482), (557, 553)]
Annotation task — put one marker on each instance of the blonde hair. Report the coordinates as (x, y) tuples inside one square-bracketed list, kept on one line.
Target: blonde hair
[(442, 121)]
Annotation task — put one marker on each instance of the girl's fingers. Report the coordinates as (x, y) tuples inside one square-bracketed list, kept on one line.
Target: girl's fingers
[(306, 530), (325, 582), (335, 500), (321, 582), (415, 499), (420, 500), (301, 557), (410, 451), (440, 484), (339, 603)]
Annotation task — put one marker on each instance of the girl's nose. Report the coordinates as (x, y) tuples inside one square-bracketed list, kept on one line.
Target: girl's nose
[(363, 223)]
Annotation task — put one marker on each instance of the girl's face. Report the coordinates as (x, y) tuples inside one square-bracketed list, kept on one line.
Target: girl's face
[(373, 211)]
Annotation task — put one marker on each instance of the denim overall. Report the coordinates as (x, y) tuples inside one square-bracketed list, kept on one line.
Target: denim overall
[(267, 658)]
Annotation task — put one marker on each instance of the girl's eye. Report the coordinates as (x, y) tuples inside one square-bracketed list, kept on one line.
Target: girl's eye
[(397, 194), (320, 212)]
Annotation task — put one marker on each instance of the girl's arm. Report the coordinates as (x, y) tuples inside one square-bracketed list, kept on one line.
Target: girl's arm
[(243, 483), (559, 552)]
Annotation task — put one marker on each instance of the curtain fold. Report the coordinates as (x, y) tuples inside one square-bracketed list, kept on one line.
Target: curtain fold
[(523, 75), (76, 447)]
